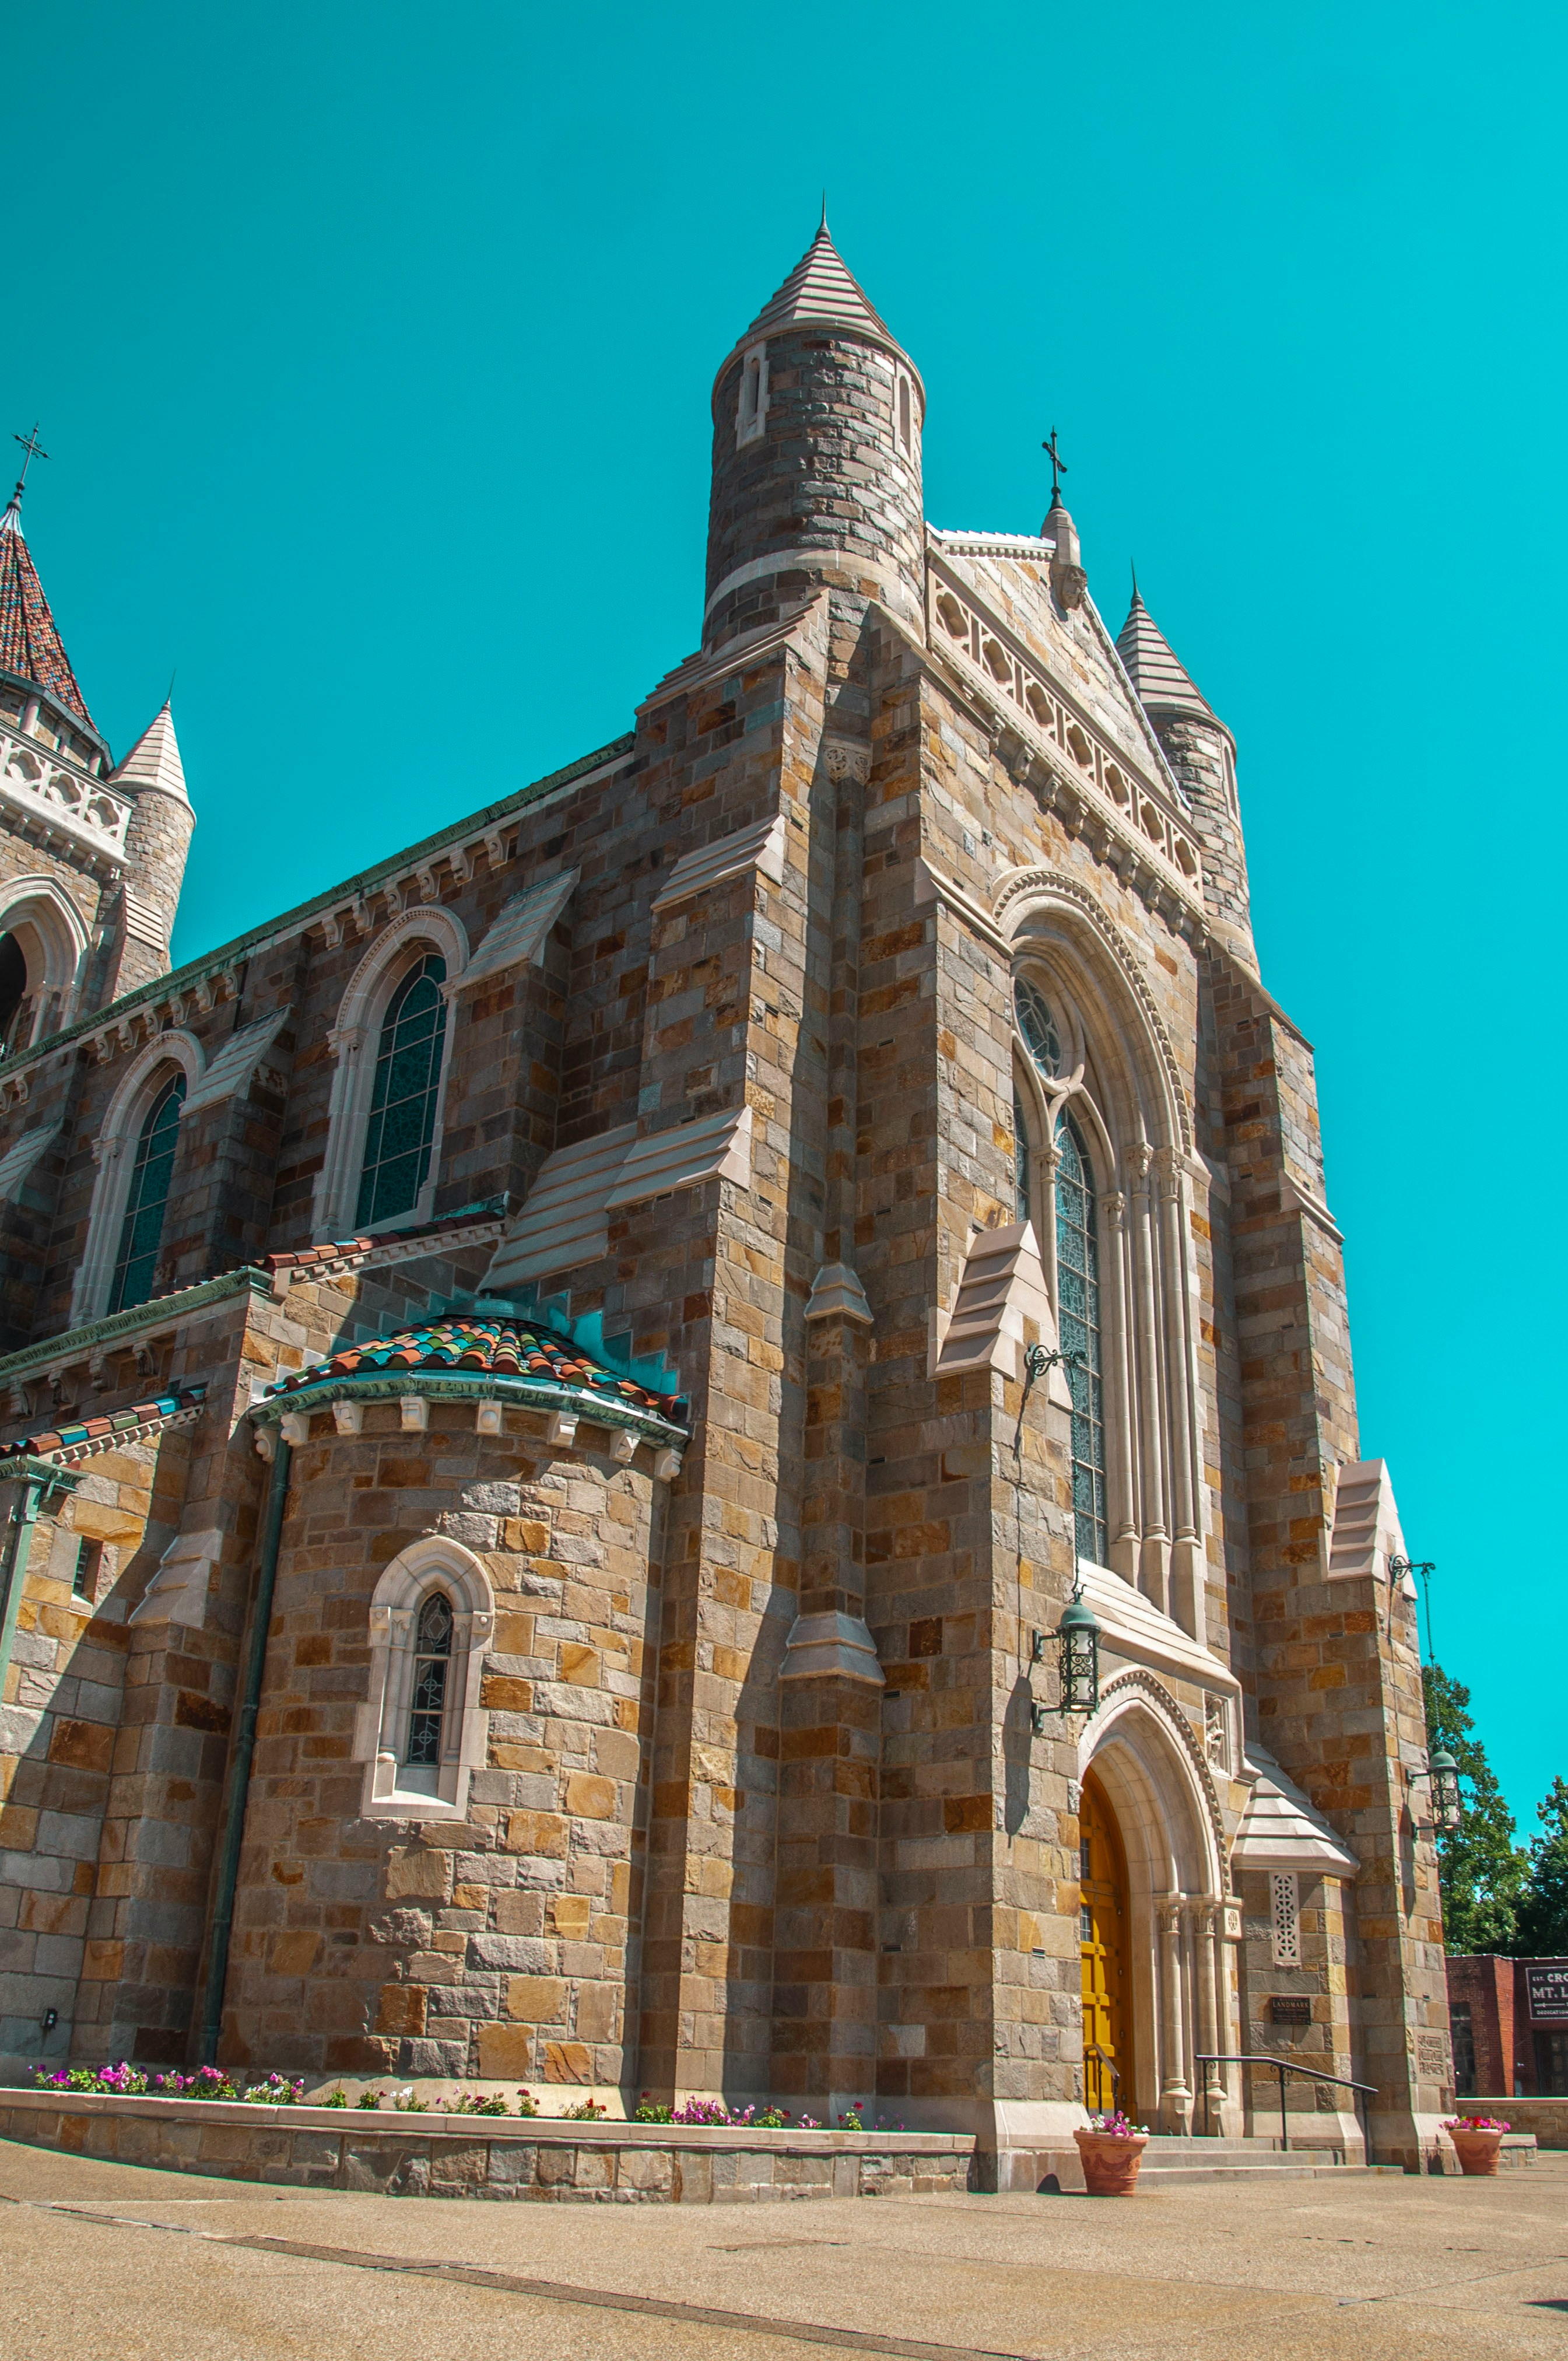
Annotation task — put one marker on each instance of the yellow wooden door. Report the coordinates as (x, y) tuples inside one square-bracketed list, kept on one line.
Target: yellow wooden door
[(1103, 1931)]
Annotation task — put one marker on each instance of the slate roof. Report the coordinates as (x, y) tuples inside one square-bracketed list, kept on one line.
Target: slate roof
[(80, 1438), (479, 1347), (1156, 671), (30, 644), (820, 292), (1281, 1829), (154, 760)]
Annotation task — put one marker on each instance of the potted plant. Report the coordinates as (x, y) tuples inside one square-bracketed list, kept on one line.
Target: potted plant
[(1111, 2150), (1477, 2140)]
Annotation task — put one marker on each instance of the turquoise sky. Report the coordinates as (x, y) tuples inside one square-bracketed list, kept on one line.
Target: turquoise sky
[(373, 346)]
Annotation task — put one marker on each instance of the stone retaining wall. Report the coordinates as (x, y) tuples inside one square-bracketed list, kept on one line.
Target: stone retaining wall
[(1546, 2118), (485, 2156)]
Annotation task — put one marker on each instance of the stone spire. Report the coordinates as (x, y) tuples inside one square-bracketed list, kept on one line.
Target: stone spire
[(156, 842), (1156, 672), (1068, 579), (154, 761), (31, 649), (1202, 753), (821, 293), (817, 414)]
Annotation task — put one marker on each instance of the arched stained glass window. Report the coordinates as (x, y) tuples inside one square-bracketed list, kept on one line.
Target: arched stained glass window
[(1077, 1312), (141, 1232), (1021, 1155), (433, 1669), (403, 1100), (1041, 1035)]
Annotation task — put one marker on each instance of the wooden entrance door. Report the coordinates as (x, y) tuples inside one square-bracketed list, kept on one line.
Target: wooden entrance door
[(1103, 1932)]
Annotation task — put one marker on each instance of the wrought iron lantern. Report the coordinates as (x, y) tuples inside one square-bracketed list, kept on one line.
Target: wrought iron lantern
[(1447, 1803), (1077, 1661)]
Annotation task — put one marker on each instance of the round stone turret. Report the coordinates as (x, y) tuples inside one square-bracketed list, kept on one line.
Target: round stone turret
[(1202, 753), (157, 842), (817, 422)]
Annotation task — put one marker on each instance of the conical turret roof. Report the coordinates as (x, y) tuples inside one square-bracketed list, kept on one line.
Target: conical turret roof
[(1156, 672), (821, 292), (31, 646), (154, 760)]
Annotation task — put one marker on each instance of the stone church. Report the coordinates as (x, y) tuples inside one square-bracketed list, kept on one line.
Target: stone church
[(557, 1396)]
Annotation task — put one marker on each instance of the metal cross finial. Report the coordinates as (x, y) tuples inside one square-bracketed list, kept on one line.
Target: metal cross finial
[(1058, 464), (32, 449)]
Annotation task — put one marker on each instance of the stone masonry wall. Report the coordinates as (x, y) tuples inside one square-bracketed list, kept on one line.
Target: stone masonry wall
[(500, 1945)]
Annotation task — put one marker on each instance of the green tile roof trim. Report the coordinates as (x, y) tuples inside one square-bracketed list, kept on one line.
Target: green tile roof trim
[(469, 1356), (161, 1312), (82, 1438)]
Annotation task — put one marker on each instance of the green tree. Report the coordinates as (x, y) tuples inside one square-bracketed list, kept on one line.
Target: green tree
[(1543, 1908), (1481, 1870)]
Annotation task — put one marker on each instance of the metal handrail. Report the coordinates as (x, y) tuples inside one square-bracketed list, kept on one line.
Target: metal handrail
[(1093, 2050), (1283, 2066)]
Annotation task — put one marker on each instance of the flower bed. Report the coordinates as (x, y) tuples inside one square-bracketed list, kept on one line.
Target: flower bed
[(457, 2153), (213, 2082)]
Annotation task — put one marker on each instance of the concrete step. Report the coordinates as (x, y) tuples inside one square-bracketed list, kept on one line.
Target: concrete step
[(1172, 2161)]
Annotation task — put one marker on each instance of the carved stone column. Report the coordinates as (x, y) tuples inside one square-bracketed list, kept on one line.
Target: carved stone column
[(1119, 1461), (1210, 2005), (1155, 1553), (1175, 2091), (1187, 1555)]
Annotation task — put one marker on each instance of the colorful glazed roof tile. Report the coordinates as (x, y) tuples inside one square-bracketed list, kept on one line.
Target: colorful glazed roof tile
[(483, 1220), (485, 1347), (30, 644), (80, 1438)]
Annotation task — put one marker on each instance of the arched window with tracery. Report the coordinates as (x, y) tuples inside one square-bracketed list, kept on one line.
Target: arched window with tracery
[(432, 1675), (404, 1096), (141, 1231), (1078, 1320)]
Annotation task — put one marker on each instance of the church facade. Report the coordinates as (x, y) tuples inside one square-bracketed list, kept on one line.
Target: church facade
[(557, 1396)]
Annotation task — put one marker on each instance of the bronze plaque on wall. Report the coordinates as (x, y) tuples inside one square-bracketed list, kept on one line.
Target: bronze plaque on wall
[(1290, 2008)]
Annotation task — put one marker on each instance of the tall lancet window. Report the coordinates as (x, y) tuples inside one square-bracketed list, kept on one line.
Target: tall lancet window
[(402, 1102), (1077, 1311), (432, 1674), (141, 1232)]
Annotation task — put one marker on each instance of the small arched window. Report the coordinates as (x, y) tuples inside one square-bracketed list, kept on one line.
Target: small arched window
[(141, 1232), (403, 1098), (431, 1678), (1077, 1318)]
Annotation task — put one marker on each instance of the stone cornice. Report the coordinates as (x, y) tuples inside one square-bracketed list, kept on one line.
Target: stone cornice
[(349, 901), (86, 1344)]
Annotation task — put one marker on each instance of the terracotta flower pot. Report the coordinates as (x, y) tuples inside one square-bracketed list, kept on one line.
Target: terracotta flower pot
[(1111, 2161), (1477, 2151)]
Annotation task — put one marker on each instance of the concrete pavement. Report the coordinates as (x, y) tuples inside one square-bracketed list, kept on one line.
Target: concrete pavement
[(124, 2263)]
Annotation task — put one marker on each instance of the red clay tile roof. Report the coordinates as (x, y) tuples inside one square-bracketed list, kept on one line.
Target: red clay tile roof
[(30, 644), (80, 1437), (485, 1347), (310, 1262)]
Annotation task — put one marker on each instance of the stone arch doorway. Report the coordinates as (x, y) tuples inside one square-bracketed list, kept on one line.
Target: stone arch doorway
[(1104, 1932), (1138, 1768)]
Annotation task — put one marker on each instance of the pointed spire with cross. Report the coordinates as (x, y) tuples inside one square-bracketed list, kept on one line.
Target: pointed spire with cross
[(1058, 464), (31, 449)]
